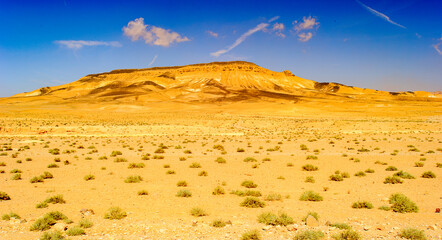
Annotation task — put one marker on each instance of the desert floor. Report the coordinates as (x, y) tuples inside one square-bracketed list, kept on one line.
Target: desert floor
[(346, 141)]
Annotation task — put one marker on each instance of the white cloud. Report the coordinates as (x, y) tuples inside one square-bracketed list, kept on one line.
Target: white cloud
[(153, 60), (278, 28), (77, 44), (241, 39), (436, 46), (213, 34), (152, 35), (306, 28), (307, 23), (379, 14), (304, 37)]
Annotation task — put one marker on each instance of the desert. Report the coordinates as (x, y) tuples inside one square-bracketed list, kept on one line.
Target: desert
[(181, 169)]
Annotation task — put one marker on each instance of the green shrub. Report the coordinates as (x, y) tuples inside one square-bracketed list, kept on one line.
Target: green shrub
[(115, 213), (369, 170), (336, 177), (309, 235), (36, 179), (85, 223), (309, 167), (340, 226), (360, 174), (220, 160), (4, 196), (56, 199), (143, 193), (89, 177), (240, 150), (55, 235), (250, 159), (133, 179), (310, 179), (393, 180), (404, 175), (43, 223), (270, 218), (218, 191), (249, 184), (181, 184), (384, 208), (311, 157), (10, 215), (15, 170), (136, 165), (218, 223), (203, 174), (116, 153), (75, 231), (428, 174), (169, 172), (246, 193), (198, 212), (53, 165), (47, 175), (42, 205), (418, 164), (347, 235), (118, 160), (16, 176), (311, 196), (251, 235), (402, 204), (363, 204), (252, 202), (195, 165), (391, 168), (412, 233), (273, 197), (184, 193)]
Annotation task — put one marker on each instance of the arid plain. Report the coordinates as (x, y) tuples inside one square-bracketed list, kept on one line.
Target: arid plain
[(143, 157)]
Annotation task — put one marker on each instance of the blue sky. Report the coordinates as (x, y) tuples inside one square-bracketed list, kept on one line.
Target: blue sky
[(380, 44)]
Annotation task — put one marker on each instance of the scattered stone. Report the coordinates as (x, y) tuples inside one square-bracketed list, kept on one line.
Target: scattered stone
[(60, 227), (311, 221), (194, 223), (366, 228), (86, 212), (437, 210), (328, 223), (432, 227), (380, 228)]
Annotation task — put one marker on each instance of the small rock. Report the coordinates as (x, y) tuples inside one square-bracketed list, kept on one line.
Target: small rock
[(431, 227), (14, 221), (366, 228), (437, 210), (60, 226), (311, 221), (380, 228), (86, 212), (266, 227), (194, 223), (328, 223)]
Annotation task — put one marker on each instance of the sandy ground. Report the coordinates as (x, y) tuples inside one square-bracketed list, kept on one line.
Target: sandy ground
[(333, 138)]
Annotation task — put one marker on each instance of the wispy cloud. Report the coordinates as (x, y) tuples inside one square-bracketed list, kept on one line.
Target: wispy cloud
[(241, 39), (77, 44), (379, 14), (153, 60), (273, 19), (306, 28), (437, 45), (152, 35), (213, 34)]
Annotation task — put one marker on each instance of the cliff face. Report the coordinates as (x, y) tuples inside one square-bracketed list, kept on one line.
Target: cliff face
[(211, 82)]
